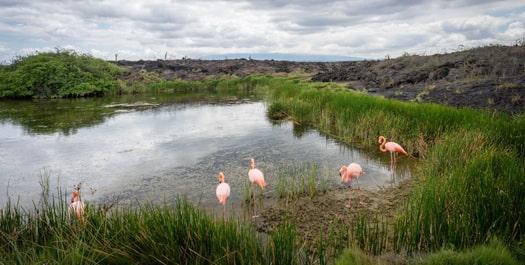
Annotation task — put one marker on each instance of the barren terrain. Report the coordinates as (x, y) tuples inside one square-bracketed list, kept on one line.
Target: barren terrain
[(491, 77)]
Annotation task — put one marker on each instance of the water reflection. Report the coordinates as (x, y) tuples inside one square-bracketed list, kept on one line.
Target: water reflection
[(174, 150)]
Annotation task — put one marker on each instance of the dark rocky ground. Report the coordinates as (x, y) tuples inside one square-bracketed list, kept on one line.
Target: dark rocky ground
[(491, 77)]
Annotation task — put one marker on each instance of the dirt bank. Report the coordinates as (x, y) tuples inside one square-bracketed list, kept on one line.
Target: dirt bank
[(315, 214)]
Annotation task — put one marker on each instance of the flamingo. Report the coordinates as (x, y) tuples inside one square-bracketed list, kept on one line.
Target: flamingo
[(353, 171), (223, 192), (76, 206), (393, 148), (256, 177)]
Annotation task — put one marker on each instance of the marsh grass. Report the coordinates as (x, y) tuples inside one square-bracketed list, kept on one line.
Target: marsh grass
[(467, 199), (305, 179), (283, 245), (144, 81), (144, 233), (471, 184), (493, 253)]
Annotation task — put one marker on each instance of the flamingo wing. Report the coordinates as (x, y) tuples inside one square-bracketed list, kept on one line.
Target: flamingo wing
[(395, 147), (77, 208), (223, 192), (256, 177), (354, 170)]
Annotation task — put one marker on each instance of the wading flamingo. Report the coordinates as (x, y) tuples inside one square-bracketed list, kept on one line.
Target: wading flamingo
[(223, 192), (76, 207), (353, 171), (393, 148), (256, 177)]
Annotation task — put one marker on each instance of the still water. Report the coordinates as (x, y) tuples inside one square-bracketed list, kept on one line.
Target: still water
[(147, 149)]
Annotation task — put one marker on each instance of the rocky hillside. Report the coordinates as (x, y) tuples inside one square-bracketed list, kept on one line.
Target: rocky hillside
[(197, 70), (491, 77)]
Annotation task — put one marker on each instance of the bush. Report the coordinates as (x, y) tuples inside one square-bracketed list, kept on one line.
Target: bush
[(63, 73)]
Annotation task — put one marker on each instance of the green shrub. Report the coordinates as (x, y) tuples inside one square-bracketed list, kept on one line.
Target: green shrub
[(63, 73)]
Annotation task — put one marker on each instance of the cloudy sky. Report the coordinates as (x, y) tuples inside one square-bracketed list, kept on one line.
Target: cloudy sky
[(153, 29)]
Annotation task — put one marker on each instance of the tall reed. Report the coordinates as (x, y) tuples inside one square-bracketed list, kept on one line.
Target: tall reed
[(300, 180), (472, 191), (473, 177), (147, 233)]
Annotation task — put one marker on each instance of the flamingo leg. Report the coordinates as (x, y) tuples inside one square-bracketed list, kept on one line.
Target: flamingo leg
[(360, 196), (349, 204), (393, 164), (254, 204), (394, 167)]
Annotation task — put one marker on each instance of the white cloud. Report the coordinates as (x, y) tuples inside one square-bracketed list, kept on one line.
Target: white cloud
[(148, 29)]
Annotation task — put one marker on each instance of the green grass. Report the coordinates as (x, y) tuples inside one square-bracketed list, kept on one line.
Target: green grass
[(141, 234), (466, 199), (493, 253), (301, 180), (146, 82), (471, 184), (145, 234)]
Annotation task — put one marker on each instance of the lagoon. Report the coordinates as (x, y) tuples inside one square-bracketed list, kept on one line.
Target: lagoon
[(137, 149)]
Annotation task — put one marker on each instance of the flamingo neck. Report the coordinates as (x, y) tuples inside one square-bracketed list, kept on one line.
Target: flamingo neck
[(75, 197), (382, 141)]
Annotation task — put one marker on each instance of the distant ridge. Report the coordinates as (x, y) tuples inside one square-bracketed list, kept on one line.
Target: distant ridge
[(282, 57)]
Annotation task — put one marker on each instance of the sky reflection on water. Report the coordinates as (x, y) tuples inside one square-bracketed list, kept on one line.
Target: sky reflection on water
[(172, 151)]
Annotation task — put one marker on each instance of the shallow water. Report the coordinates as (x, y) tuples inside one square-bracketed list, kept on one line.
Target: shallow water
[(147, 149)]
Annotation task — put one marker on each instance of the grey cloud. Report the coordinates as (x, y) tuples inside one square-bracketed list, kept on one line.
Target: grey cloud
[(195, 28), (471, 29)]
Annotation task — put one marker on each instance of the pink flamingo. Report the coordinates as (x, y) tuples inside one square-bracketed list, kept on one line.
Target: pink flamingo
[(393, 148), (256, 177), (76, 206), (223, 192), (353, 171)]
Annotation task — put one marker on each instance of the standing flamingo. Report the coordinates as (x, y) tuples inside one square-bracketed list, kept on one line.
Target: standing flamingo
[(76, 206), (393, 148), (353, 171), (256, 177), (223, 192)]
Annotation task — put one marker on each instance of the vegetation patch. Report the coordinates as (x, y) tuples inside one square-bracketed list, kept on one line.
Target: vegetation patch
[(63, 73)]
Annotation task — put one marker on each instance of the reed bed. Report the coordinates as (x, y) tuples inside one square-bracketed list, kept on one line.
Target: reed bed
[(143, 234), (470, 188), (469, 198), (301, 180), (152, 82), (147, 234)]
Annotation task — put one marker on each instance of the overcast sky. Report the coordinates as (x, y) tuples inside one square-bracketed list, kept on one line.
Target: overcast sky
[(153, 29)]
